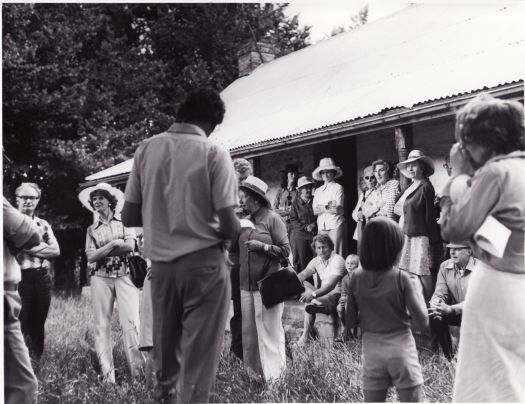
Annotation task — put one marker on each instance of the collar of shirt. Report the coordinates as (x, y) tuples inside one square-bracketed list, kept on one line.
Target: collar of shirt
[(470, 265), (187, 128), (302, 202), (101, 221)]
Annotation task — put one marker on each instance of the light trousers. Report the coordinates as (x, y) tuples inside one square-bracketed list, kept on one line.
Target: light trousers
[(20, 383), (104, 291), (191, 299), (262, 336)]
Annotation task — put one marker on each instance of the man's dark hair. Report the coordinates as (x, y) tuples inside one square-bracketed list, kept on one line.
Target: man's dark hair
[(202, 105), (381, 243)]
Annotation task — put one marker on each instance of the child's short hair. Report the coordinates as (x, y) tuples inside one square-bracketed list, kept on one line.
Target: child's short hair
[(352, 256), (381, 242)]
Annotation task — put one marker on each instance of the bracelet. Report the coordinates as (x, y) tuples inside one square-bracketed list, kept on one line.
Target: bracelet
[(266, 247)]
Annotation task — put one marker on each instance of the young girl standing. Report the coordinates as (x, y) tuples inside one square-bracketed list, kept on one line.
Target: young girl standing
[(379, 297)]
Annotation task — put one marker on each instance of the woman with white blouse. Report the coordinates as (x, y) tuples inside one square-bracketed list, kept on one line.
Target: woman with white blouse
[(328, 204)]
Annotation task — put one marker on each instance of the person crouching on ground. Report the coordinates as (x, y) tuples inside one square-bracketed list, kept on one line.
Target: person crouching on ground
[(446, 304), (330, 267), (379, 297), (108, 243)]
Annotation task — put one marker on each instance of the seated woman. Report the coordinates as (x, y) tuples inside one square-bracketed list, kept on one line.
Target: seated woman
[(330, 267), (261, 246)]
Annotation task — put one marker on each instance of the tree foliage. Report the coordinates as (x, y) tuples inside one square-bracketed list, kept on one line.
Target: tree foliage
[(85, 83), (356, 21)]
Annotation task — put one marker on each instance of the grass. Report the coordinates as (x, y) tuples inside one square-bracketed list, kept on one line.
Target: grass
[(316, 374)]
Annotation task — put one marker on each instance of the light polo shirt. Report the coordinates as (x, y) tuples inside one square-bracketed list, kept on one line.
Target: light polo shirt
[(322, 196), (181, 179), (334, 266)]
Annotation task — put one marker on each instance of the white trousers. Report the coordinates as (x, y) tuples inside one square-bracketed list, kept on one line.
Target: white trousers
[(104, 291), (491, 354), (262, 336)]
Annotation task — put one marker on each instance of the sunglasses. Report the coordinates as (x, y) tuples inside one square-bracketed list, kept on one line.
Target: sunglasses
[(367, 177)]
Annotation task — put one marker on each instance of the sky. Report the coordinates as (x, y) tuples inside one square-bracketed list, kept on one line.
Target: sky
[(324, 15)]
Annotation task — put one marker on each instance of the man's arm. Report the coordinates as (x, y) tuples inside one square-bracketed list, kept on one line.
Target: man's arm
[(131, 214), (229, 223)]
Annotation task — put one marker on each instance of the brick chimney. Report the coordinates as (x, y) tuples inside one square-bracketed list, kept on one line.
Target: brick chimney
[(254, 54)]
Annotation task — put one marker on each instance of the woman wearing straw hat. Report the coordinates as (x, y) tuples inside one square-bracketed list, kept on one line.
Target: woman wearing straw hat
[(328, 204), (418, 218), (108, 243), (262, 245)]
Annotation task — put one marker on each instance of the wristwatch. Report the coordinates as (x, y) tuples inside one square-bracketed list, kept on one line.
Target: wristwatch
[(314, 295)]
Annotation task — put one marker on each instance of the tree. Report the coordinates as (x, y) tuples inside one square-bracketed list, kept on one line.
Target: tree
[(84, 84), (356, 21)]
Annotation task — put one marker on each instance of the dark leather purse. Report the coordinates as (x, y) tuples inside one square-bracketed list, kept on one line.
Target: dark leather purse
[(279, 286), (138, 268)]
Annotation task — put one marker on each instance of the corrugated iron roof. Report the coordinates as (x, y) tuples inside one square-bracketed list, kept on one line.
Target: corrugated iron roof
[(423, 53)]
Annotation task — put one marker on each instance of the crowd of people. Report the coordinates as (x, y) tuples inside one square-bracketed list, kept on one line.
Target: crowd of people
[(210, 232)]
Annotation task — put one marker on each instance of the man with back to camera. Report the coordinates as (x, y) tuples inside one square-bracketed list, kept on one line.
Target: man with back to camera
[(183, 191)]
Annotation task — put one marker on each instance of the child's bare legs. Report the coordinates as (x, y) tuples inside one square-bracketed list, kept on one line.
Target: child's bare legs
[(411, 395), (309, 321), (375, 396)]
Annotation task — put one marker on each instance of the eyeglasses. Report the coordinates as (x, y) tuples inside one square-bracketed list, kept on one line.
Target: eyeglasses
[(28, 198), (369, 177)]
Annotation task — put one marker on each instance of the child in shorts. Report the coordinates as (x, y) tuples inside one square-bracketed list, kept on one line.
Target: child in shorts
[(351, 264), (380, 295)]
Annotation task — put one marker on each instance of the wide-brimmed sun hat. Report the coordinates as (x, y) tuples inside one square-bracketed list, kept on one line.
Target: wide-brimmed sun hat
[(83, 196), (455, 245), (417, 155), (256, 185), (304, 181), (325, 164)]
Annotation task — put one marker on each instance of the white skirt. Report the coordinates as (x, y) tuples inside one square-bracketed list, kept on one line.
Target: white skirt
[(491, 354)]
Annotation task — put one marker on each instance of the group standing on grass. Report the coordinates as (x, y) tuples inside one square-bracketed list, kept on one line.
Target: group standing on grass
[(202, 213)]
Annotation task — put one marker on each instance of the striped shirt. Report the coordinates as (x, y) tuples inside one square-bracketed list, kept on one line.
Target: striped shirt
[(382, 200), (29, 261)]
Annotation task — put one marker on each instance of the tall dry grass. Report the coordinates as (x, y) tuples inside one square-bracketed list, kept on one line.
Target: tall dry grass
[(67, 373)]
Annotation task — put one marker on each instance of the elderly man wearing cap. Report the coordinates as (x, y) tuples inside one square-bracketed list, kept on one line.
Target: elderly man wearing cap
[(35, 286), (446, 304), (328, 204), (108, 243), (302, 220)]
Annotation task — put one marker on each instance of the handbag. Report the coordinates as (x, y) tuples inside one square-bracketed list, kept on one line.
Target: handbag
[(138, 268), (279, 286)]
